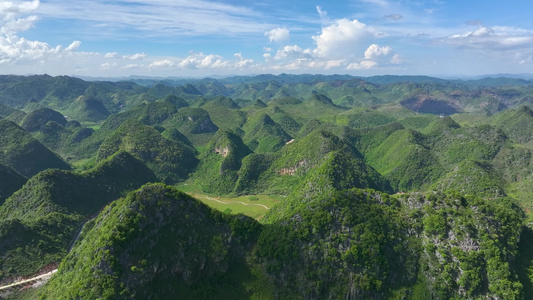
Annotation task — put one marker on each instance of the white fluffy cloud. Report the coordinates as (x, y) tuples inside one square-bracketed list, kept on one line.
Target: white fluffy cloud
[(338, 43), (15, 49), (307, 64), (278, 34), (10, 20), (327, 64), (115, 55), (495, 38), (242, 62), (376, 56), (131, 66), (17, 25), (162, 63), (202, 61), (293, 51), (111, 55), (109, 66), (375, 51), (8, 7), (198, 61), (73, 46), (344, 38), (363, 65), (136, 56)]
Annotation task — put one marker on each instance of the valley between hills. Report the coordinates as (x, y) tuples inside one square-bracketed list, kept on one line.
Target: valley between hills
[(266, 187)]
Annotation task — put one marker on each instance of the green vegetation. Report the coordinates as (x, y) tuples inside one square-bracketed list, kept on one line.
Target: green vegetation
[(363, 118), (473, 177), (88, 109), (5, 111), (170, 160), (34, 120), (194, 123), (225, 113), (316, 106), (10, 182), (220, 162), (25, 154), (357, 242), (255, 206), (73, 141), (517, 124), (192, 246), (405, 161), (40, 220), (368, 139), (153, 113), (475, 143), (483, 249), (314, 164), (284, 120), (264, 135), (320, 187), (306, 241)]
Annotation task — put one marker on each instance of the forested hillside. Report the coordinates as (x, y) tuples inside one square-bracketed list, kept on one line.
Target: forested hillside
[(267, 187)]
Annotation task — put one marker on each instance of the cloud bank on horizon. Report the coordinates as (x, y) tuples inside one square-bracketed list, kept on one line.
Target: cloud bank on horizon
[(204, 37)]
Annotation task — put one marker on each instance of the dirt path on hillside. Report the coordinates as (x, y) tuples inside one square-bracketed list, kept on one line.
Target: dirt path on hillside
[(43, 278)]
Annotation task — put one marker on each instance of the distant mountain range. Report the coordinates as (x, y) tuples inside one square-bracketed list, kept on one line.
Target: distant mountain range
[(255, 78)]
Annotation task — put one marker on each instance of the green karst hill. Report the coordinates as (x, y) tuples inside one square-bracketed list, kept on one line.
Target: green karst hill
[(72, 141), (404, 160), (367, 139), (194, 123), (284, 120), (48, 210), (267, 187), (259, 104), (479, 143), (225, 113), (220, 162), (25, 154), (34, 120), (5, 111), (88, 109), (198, 252), (321, 160), (153, 113), (169, 159), (10, 182), (363, 118), (517, 124), (473, 177), (357, 243), (263, 135)]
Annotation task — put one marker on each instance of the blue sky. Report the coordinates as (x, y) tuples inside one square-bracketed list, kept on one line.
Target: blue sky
[(205, 38)]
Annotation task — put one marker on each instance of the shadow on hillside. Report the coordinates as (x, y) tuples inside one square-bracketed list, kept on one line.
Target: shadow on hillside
[(524, 261)]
